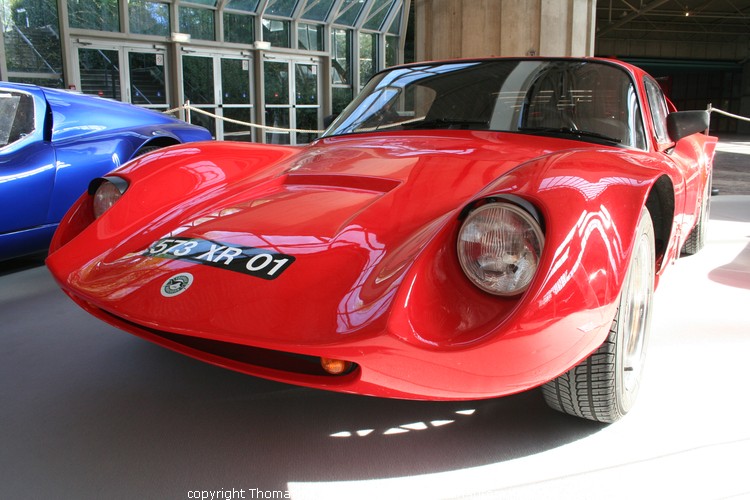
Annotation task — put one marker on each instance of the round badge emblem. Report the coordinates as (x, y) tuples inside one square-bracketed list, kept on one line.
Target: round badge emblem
[(176, 284)]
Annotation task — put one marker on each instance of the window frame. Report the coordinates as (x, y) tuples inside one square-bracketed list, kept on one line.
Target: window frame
[(658, 111)]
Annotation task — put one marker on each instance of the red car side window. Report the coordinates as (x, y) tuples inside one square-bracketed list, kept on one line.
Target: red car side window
[(659, 112)]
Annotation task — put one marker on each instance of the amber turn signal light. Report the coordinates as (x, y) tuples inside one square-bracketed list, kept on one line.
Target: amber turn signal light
[(335, 366)]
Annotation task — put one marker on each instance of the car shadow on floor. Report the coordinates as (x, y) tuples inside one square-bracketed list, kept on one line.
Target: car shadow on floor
[(21, 264), (736, 273), (134, 416)]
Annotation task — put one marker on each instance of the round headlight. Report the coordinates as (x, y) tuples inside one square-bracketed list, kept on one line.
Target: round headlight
[(499, 246), (105, 196)]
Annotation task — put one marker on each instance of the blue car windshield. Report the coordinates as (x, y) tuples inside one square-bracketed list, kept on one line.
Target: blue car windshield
[(16, 116), (579, 99)]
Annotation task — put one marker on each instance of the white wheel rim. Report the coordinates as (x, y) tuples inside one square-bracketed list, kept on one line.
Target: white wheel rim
[(636, 316)]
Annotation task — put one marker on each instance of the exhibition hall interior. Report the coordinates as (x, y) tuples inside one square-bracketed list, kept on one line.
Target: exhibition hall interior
[(377, 249)]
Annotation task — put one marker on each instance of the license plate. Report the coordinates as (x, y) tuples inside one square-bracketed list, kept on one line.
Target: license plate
[(247, 260)]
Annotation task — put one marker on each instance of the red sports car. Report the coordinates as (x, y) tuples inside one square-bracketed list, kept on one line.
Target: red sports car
[(465, 229)]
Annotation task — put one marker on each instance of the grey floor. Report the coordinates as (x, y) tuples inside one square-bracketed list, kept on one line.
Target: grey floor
[(89, 412)]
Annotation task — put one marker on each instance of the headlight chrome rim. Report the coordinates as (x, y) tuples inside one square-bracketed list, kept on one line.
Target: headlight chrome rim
[(499, 248)]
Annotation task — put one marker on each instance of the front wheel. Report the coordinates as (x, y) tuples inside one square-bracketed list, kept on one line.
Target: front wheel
[(604, 386)]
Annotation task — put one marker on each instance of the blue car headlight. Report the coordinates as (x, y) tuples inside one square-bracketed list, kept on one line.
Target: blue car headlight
[(499, 248)]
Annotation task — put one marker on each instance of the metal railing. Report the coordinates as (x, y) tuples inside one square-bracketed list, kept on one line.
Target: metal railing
[(711, 109)]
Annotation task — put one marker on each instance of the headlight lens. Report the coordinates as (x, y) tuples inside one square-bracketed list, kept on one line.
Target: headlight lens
[(499, 247), (107, 194)]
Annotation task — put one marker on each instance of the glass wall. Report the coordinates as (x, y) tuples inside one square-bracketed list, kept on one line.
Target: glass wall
[(236, 99), (348, 40), (198, 22), (364, 40), (149, 18), (368, 57), (100, 15), (341, 73), (310, 37), (100, 72), (33, 50), (147, 79), (239, 28)]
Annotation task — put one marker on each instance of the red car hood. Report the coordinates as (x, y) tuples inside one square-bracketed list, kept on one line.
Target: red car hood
[(347, 216)]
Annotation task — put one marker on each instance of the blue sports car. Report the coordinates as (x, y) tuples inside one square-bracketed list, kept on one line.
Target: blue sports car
[(54, 142)]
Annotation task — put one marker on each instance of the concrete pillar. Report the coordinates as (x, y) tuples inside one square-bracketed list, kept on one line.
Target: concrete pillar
[(447, 29)]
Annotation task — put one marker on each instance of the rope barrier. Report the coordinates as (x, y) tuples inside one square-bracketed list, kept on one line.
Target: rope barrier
[(189, 107)]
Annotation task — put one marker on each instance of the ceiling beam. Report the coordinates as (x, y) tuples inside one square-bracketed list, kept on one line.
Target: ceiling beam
[(625, 20)]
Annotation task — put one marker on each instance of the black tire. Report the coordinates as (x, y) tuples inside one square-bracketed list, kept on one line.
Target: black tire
[(696, 240), (604, 386)]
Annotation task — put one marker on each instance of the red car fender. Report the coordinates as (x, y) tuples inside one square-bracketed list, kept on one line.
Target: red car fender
[(188, 174), (590, 210), (696, 154)]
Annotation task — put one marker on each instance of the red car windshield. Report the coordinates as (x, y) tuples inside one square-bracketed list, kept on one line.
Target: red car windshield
[(582, 99)]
